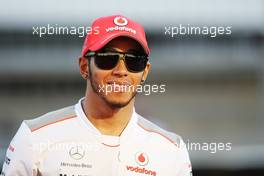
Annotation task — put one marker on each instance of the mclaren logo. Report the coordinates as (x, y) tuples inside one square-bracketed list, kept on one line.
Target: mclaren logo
[(77, 152)]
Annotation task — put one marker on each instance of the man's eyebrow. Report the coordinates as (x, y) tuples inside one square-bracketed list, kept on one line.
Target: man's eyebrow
[(109, 49), (134, 51), (131, 51)]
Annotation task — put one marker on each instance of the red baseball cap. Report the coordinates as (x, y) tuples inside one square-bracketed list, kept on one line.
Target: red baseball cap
[(110, 27)]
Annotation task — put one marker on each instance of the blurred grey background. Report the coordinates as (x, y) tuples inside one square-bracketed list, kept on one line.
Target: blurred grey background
[(214, 86)]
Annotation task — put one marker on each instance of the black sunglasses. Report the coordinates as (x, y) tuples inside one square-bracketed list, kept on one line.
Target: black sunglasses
[(109, 60)]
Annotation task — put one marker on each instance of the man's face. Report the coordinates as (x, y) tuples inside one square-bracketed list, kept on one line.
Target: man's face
[(117, 86)]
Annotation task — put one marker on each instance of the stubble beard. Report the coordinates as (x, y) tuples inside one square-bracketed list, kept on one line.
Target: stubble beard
[(112, 104)]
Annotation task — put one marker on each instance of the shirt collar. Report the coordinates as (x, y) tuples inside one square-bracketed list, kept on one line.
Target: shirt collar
[(128, 129)]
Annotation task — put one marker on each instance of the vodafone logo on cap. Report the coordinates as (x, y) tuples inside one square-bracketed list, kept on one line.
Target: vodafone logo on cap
[(120, 25), (120, 21), (142, 158)]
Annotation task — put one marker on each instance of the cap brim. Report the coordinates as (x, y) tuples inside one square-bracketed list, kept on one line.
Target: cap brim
[(104, 40)]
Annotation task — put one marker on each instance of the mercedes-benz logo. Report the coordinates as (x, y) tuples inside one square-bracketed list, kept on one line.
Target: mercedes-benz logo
[(77, 152)]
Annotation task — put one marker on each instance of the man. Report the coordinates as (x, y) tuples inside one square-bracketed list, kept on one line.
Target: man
[(101, 135)]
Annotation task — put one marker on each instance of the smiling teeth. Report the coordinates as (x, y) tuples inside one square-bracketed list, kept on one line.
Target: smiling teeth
[(118, 83)]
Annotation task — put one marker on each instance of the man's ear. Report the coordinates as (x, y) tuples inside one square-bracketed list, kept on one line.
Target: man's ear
[(83, 66), (145, 73)]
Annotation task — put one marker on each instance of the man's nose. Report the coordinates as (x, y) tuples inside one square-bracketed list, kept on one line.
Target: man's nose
[(120, 69)]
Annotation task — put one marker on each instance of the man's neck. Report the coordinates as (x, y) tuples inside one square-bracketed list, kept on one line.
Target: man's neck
[(108, 120)]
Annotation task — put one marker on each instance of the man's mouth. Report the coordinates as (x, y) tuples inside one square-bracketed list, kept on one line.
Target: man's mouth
[(121, 83), (118, 86)]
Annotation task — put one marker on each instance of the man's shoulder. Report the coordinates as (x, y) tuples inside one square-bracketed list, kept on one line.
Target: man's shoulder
[(51, 118), (151, 127)]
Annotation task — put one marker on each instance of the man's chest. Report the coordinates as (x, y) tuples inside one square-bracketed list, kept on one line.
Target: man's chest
[(84, 158)]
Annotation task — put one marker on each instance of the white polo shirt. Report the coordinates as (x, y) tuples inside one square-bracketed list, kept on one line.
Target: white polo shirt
[(65, 143)]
